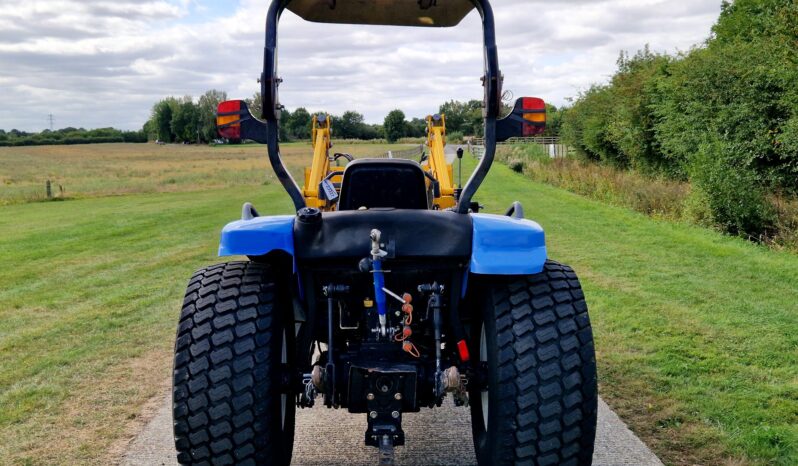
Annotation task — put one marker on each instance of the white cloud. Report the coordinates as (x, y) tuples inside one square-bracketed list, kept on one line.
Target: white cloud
[(103, 63)]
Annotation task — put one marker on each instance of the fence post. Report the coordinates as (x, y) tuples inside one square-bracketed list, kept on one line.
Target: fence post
[(48, 187)]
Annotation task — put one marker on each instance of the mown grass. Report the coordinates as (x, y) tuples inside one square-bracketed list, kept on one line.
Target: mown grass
[(91, 290), (697, 333), (112, 169)]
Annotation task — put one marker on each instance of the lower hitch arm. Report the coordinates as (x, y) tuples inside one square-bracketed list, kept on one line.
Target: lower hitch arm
[(332, 292), (434, 304)]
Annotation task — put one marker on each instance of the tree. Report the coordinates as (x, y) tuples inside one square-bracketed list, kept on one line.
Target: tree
[(417, 128), (149, 129), (553, 121), (255, 104), (372, 132), (349, 125), (162, 118), (206, 108), (185, 121), (394, 125), (300, 124), (463, 117), (474, 119), (585, 126), (455, 112), (285, 124)]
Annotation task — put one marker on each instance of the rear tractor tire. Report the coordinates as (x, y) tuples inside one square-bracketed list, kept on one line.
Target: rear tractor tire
[(234, 343), (539, 406)]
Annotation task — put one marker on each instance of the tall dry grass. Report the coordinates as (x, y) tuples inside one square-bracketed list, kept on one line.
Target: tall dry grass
[(92, 170), (657, 197), (785, 234)]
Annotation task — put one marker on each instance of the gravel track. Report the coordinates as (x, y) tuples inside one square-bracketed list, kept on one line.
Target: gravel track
[(328, 437)]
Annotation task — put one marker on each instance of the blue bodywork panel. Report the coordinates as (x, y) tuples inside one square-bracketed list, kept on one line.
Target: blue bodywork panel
[(500, 245), (507, 246), (258, 236)]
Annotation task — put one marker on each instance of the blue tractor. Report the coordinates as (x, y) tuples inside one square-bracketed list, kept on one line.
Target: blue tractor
[(384, 293)]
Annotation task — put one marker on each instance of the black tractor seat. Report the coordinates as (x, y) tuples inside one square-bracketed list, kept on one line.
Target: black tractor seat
[(382, 183)]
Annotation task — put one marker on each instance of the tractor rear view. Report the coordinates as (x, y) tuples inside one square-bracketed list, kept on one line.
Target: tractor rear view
[(386, 292)]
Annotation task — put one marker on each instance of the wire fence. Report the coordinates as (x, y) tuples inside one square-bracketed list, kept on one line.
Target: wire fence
[(527, 140), (413, 153), (476, 146), (553, 145)]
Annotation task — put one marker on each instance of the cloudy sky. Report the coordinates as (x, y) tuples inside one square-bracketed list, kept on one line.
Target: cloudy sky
[(95, 63)]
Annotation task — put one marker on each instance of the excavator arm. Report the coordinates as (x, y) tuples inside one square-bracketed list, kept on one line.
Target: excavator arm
[(321, 174), (439, 172), (322, 179)]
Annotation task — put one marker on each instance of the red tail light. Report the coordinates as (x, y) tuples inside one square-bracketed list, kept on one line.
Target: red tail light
[(533, 103), (462, 348), (227, 114), (535, 113)]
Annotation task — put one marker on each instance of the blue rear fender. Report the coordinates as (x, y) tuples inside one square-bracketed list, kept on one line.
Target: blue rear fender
[(504, 245), (258, 236), (501, 245)]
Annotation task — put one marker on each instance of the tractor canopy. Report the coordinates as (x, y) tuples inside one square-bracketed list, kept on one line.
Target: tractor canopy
[(426, 13), (527, 119)]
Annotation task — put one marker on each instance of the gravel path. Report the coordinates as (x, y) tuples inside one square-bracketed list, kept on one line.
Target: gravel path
[(451, 152), (326, 437)]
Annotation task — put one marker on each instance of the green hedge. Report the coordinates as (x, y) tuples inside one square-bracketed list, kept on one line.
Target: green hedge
[(69, 139), (724, 115)]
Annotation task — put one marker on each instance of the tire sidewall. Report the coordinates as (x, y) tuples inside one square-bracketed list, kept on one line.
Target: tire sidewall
[(286, 429), (485, 442)]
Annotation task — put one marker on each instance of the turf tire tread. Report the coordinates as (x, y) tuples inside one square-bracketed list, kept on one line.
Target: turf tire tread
[(547, 369), (223, 359)]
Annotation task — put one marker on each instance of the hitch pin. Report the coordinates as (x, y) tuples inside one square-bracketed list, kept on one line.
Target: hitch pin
[(394, 295)]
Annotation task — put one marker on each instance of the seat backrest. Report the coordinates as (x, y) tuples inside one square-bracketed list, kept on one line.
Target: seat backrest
[(374, 183)]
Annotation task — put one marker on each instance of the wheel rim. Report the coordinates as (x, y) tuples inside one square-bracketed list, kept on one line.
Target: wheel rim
[(284, 396), (483, 357)]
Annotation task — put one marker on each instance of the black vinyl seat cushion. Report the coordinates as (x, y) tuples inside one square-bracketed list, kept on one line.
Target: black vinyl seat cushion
[(381, 183)]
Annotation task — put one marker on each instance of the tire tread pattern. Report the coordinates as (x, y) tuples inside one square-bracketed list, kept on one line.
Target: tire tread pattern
[(547, 370), (222, 378)]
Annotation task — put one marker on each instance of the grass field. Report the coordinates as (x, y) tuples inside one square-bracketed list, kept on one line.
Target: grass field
[(113, 169), (697, 333)]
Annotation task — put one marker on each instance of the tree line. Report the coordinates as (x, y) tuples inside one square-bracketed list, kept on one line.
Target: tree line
[(462, 118), (723, 115), (184, 120), (69, 136), (180, 119), (176, 119), (351, 124)]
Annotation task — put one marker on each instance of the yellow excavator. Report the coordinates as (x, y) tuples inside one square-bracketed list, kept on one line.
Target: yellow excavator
[(439, 173), (323, 177)]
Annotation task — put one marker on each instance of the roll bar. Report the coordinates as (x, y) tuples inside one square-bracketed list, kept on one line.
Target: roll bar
[(270, 82)]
